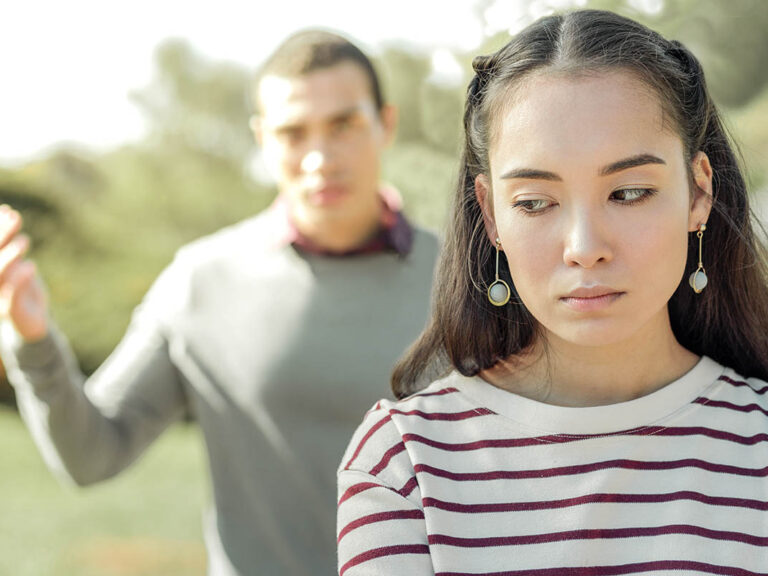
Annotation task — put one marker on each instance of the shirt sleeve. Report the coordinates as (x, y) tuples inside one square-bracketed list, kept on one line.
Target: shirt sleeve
[(90, 430), (380, 523)]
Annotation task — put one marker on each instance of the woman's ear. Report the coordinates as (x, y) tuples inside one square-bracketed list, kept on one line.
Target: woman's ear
[(701, 198), (485, 199)]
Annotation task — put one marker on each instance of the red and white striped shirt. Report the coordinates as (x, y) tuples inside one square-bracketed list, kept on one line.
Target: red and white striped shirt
[(464, 478)]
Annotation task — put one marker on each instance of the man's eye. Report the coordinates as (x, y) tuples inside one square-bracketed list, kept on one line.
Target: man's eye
[(340, 126), (291, 135)]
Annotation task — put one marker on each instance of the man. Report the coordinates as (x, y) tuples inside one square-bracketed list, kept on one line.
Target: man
[(276, 333)]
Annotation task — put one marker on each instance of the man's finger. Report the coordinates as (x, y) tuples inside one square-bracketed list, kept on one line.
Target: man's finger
[(10, 285), (12, 253), (23, 300), (10, 224)]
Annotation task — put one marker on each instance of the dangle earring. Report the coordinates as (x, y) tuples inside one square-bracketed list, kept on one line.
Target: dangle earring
[(698, 279), (498, 291)]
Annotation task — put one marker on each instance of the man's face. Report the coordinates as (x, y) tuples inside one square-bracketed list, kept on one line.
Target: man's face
[(322, 137)]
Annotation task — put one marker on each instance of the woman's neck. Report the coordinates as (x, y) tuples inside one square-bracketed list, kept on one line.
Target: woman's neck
[(567, 374)]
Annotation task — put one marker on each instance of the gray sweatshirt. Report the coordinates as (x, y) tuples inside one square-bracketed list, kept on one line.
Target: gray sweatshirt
[(276, 353)]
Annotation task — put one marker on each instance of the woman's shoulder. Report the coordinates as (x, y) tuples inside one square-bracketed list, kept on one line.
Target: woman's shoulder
[(442, 397), (733, 402), (745, 387), (386, 426)]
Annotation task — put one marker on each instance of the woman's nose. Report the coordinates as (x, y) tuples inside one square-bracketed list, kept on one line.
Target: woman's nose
[(587, 241)]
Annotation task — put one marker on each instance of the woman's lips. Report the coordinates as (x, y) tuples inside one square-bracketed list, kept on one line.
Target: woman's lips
[(591, 299)]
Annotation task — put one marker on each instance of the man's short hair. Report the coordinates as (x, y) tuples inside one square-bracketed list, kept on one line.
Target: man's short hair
[(310, 50)]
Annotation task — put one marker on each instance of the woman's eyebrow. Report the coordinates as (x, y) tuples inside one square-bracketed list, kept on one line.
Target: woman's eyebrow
[(531, 174), (618, 166), (631, 162)]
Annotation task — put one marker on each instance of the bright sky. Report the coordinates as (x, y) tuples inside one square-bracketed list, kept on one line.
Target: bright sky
[(67, 66)]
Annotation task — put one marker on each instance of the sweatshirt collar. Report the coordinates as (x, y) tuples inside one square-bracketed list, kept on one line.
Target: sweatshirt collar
[(395, 232)]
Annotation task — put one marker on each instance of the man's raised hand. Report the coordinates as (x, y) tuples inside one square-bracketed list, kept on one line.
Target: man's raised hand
[(22, 296)]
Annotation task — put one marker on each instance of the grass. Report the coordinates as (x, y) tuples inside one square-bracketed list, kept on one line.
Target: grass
[(145, 522)]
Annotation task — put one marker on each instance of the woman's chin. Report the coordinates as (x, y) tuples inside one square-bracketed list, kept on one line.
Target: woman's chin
[(592, 334)]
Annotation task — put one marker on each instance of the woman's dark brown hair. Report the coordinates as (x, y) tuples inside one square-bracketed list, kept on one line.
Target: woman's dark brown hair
[(728, 321)]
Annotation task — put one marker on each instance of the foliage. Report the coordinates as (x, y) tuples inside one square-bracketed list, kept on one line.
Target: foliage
[(408, 71), (196, 104), (750, 125), (728, 37), (426, 177)]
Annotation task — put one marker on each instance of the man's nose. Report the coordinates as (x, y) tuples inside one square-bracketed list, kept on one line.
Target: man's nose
[(587, 240), (312, 161), (319, 156)]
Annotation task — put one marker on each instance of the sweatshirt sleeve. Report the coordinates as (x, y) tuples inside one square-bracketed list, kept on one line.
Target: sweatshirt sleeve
[(380, 523), (90, 430)]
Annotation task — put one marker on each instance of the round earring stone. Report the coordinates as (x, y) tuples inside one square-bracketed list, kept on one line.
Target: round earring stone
[(698, 281), (498, 293)]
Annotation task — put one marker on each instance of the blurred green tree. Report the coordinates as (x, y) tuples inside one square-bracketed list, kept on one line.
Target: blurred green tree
[(197, 104), (728, 37), (407, 73)]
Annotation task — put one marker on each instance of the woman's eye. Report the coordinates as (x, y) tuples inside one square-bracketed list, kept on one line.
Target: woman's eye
[(532, 206), (632, 195)]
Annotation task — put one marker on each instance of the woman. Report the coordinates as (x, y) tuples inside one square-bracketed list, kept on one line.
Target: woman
[(602, 299)]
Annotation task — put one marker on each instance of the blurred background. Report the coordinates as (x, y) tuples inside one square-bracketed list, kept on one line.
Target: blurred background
[(124, 134)]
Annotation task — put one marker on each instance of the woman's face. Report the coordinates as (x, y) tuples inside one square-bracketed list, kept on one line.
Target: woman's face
[(589, 193)]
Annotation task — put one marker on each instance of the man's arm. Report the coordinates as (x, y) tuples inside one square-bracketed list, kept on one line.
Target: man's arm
[(90, 430)]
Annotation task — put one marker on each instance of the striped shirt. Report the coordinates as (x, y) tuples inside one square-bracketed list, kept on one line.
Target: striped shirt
[(465, 478)]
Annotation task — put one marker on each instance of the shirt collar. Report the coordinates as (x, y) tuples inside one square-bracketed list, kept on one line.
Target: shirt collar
[(395, 232)]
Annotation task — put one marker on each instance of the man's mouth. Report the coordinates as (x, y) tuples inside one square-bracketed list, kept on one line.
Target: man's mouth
[(326, 195)]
